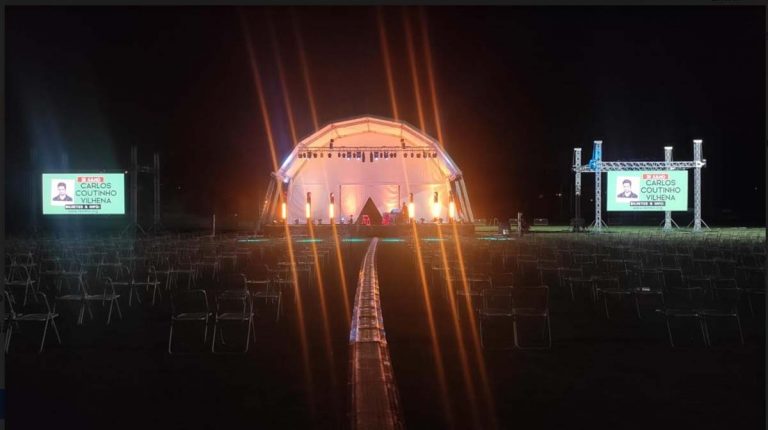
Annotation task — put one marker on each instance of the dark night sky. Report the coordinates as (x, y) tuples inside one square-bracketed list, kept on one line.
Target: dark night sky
[(518, 89)]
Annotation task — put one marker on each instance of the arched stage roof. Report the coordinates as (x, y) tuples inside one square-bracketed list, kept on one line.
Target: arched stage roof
[(367, 157)]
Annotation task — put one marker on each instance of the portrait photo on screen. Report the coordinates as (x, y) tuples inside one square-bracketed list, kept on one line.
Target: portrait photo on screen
[(62, 191), (628, 187)]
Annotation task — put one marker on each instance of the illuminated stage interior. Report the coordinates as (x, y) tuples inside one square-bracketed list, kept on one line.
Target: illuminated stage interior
[(368, 166)]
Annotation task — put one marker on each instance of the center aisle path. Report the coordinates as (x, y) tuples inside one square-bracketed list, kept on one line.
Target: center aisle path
[(375, 403)]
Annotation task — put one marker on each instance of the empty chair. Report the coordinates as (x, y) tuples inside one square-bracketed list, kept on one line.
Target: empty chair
[(189, 306), (531, 303), (39, 312), (683, 304), (106, 294), (752, 283), (609, 285), (724, 304), (73, 290), (496, 305), (260, 287), (575, 283), (19, 278), (650, 284), (235, 309), (471, 291)]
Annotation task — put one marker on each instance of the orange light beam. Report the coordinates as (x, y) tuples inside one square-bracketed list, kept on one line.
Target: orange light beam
[(473, 326), (273, 153), (313, 246), (305, 68), (387, 64), (281, 75), (323, 305), (412, 63), (468, 381), (439, 363), (431, 74)]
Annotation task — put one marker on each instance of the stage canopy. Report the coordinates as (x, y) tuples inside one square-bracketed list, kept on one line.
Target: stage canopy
[(362, 158)]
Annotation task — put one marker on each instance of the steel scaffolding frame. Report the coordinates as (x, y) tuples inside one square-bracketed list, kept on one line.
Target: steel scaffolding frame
[(598, 166)]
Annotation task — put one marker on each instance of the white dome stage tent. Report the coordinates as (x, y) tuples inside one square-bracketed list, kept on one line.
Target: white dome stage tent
[(362, 158)]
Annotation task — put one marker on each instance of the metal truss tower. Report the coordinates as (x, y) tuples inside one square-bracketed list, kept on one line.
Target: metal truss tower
[(598, 166)]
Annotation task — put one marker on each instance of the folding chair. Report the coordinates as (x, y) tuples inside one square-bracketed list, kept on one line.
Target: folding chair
[(235, 309), (531, 303), (724, 304), (186, 307), (264, 289), (496, 304), (42, 314), (19, 277), (608, 285), (683, 304)]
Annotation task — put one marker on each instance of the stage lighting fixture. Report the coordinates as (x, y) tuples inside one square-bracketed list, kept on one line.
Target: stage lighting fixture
[(314, 155), (363, 157), (402, 143), (283, 211), (330, 145), (418, 155), (331, 214), (308, 207), (435, 206), (411, 208), (330, 155)]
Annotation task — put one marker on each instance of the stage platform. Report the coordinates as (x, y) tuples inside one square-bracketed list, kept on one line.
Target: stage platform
[(357, 230)]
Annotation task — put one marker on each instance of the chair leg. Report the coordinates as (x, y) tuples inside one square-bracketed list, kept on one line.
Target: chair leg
[(669, 332), (514, 332), (45, 332), (605, 302), (8, 335), (170, 338), (109, 314), (213, 340), (56, 330), (549, 332), (480, 320), (704, 331), (119, 312), (741, 334), (247, 336)]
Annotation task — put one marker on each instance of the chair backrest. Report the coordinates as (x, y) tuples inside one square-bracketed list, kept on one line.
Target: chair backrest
[(652, 278), (189, 301), (232, 281), (531, 298), (505, 279), (497, 298), (673, 278)]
